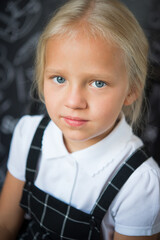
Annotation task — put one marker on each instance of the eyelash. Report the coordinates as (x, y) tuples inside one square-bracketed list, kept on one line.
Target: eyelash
[(55, 79), (99, 81)]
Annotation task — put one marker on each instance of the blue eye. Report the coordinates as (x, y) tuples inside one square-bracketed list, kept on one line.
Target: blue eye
[(98, 84), (59, 79)]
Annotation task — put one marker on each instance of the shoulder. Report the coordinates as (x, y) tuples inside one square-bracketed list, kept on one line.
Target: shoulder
[(136, 208), (20, 143), (25, 130), (146, 175), (26, 123), (143, 183)]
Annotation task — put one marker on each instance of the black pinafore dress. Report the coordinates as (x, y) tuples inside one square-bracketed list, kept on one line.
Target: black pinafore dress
[(52, 219)]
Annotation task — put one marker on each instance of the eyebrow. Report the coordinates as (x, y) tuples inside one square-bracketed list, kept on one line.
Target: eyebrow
[(50, 70)]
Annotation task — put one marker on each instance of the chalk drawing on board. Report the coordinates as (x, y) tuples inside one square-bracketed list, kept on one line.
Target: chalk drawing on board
[(16, 21)]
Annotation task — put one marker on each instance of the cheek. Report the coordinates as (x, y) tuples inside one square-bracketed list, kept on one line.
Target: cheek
[(108, 106), (49, 98), (45, 91), (49, 93)]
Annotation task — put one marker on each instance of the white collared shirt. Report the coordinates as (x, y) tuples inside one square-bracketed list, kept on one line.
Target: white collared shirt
[(78, 178)]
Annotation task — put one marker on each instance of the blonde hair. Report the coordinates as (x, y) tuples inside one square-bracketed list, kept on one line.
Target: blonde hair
[(109, 19)]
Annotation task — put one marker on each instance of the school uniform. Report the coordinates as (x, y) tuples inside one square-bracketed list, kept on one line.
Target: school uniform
[(75, 190)]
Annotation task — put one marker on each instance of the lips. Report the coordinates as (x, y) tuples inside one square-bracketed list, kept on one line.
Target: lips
[(75, 121)]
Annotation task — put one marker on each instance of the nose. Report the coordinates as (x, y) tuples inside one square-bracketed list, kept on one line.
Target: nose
[(75, 98)]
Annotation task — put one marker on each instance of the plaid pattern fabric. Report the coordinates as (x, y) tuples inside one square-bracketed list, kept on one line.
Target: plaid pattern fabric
[(54, 219)]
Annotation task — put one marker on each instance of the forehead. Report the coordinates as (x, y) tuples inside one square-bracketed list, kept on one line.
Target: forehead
[(83, 46), (82, 57)]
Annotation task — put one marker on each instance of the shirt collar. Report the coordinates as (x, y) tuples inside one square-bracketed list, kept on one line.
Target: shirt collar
[(93, 158), (101, 154)]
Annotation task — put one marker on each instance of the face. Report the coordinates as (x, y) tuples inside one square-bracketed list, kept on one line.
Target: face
[(85, 88)]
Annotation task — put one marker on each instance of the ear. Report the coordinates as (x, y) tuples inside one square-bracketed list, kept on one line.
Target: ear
[(130, 98)]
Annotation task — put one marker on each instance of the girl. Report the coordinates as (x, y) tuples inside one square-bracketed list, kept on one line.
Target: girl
[(81, 173)]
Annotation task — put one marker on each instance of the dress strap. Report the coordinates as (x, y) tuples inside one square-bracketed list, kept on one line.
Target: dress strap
[(35, 150), (117, 181)]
